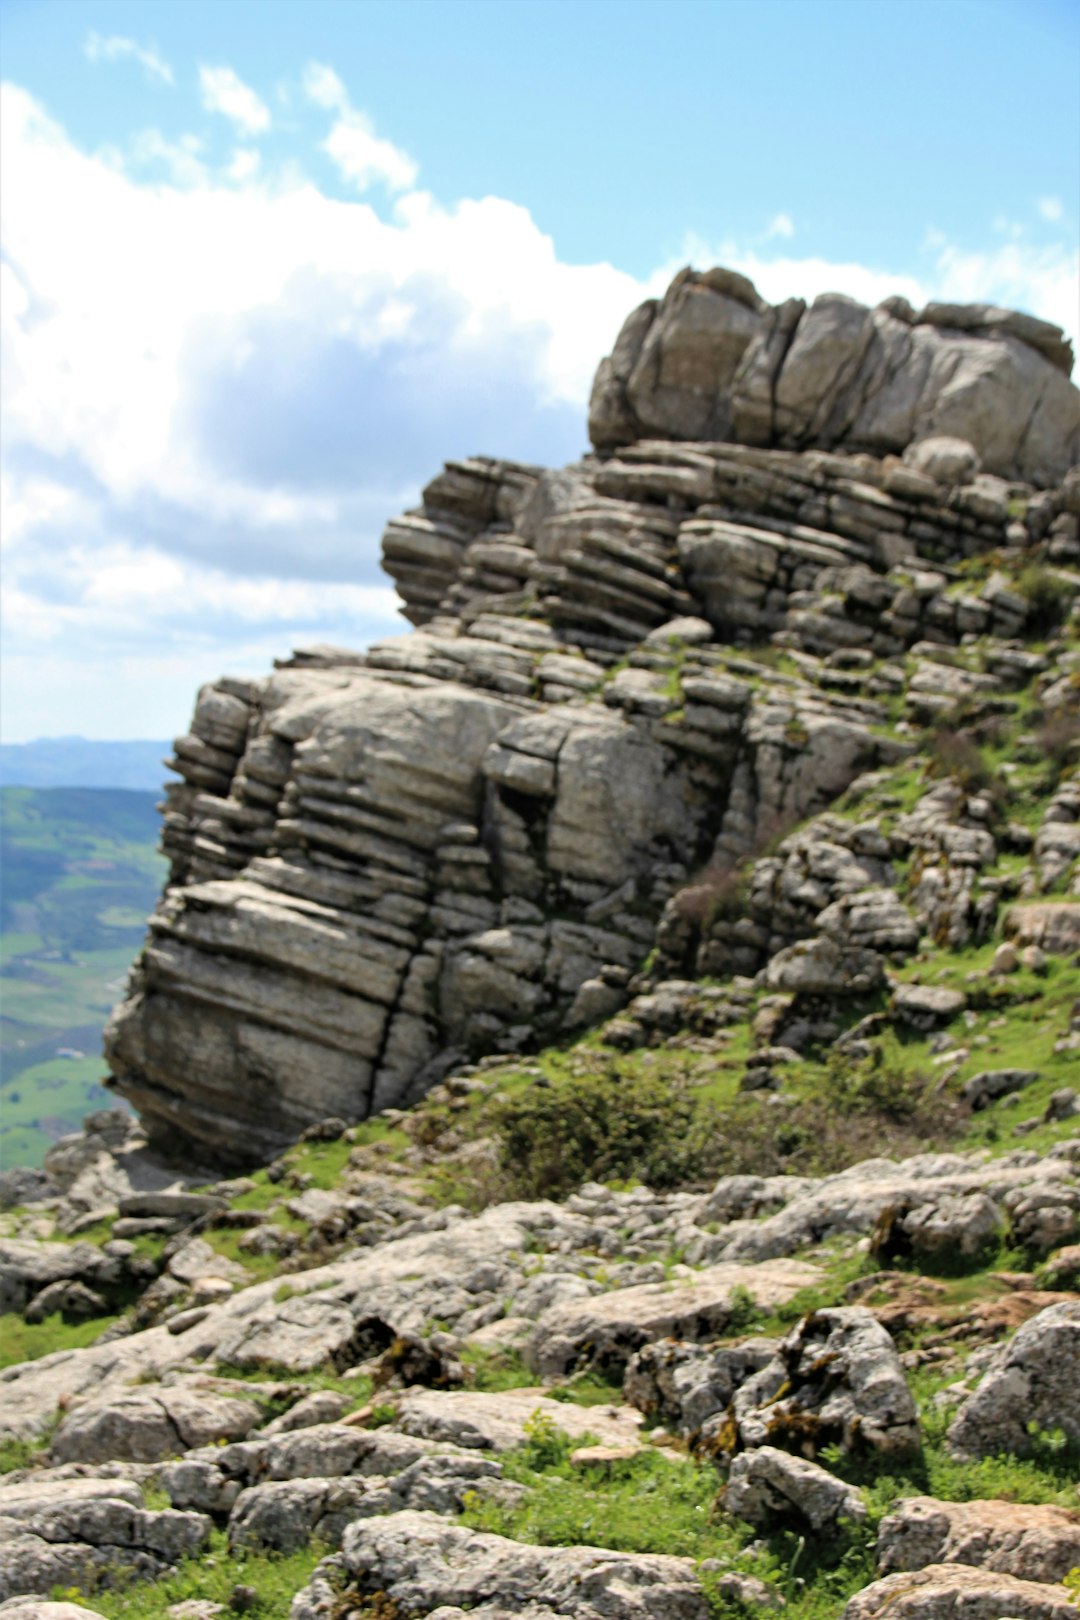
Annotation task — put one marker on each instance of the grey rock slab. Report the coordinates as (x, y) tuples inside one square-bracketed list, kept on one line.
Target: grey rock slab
[(499, 1422), (951, 1591), (405, 1282), (150, 1423), (825, 967), (420, 1562), (925, 1005), (609, 1328), (284, 1516), (1034, 1379), (1032, 1543), (770, 1488)]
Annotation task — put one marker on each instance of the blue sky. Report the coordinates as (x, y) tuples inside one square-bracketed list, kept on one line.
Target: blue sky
[(266, 265)]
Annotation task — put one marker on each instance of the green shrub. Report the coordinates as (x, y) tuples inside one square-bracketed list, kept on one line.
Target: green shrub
[(1049, 597), (602, 1125)]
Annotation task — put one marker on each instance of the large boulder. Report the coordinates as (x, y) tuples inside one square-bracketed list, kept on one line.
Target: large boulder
[(713, 360)]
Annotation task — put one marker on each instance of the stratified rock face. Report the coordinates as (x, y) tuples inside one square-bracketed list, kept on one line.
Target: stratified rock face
[(713, 360), (382, 862)]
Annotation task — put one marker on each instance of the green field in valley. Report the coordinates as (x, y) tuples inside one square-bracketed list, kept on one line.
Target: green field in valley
[(79, 873)]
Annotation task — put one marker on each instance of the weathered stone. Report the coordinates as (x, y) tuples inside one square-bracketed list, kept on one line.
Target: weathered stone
[(770, 1488), (1033, 1380), (836, 1379), (421, 1562), (605, 1331), (1032, 1543), (944, 1591), (147, 1424)]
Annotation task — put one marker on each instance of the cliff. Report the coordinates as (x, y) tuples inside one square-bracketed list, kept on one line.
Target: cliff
[(625, 673)]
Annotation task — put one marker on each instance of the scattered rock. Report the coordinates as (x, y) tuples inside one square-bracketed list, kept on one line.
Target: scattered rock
[(1032, 1380), (942, 1591), (1033, 1543), (770, 1488)]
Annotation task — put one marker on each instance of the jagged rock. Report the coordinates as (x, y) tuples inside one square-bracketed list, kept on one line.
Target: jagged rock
[(770, 1488), (422, 1563), (948, 1227), (607, 1330), (321, 1406), (28, 1268), (1032, 1543), (836, 1379), (943, 1591), (1033, 1380), (822, 967), (70, 1299), (1054, 925), (856, 1200), (682, 1385)]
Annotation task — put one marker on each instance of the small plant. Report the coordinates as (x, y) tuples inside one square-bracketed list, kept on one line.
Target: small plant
[(546, 1445)]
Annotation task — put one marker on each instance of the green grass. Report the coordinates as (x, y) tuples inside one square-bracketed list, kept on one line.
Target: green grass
[(211, 1576), (28, 1341)]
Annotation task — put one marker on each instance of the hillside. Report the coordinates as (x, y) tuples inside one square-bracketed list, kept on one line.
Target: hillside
[(607, 1064), (78, 873), (82, 762)]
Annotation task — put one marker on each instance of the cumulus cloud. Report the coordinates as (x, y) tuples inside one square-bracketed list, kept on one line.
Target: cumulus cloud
[(360, 156), (115, 47), (1051, 209), (213, 406), (223, 91)]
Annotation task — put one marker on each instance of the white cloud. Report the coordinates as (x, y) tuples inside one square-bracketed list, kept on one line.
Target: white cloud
[(223, 91), (244, 164), (115, 47), (181, 158), (322, 85), (781, 225), (361, 157), (1051, 208), (218, 388)]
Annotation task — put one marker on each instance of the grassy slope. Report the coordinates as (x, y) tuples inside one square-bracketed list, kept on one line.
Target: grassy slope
[(80, 873)]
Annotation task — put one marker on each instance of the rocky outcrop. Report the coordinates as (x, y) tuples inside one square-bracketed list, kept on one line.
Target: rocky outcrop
[(382, 862), (713, 360)]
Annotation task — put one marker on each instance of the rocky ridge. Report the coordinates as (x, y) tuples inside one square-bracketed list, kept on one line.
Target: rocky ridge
[(645, 1002), (383, 863)]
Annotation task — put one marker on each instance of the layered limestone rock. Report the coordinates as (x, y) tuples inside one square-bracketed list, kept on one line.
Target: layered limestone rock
[(381, 862), (714, 360)]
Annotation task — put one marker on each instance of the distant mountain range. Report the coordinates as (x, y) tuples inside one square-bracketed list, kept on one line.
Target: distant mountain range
[(80, 762)]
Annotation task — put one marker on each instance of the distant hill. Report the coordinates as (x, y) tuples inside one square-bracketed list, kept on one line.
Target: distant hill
[(72, 762), (79, 874)]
